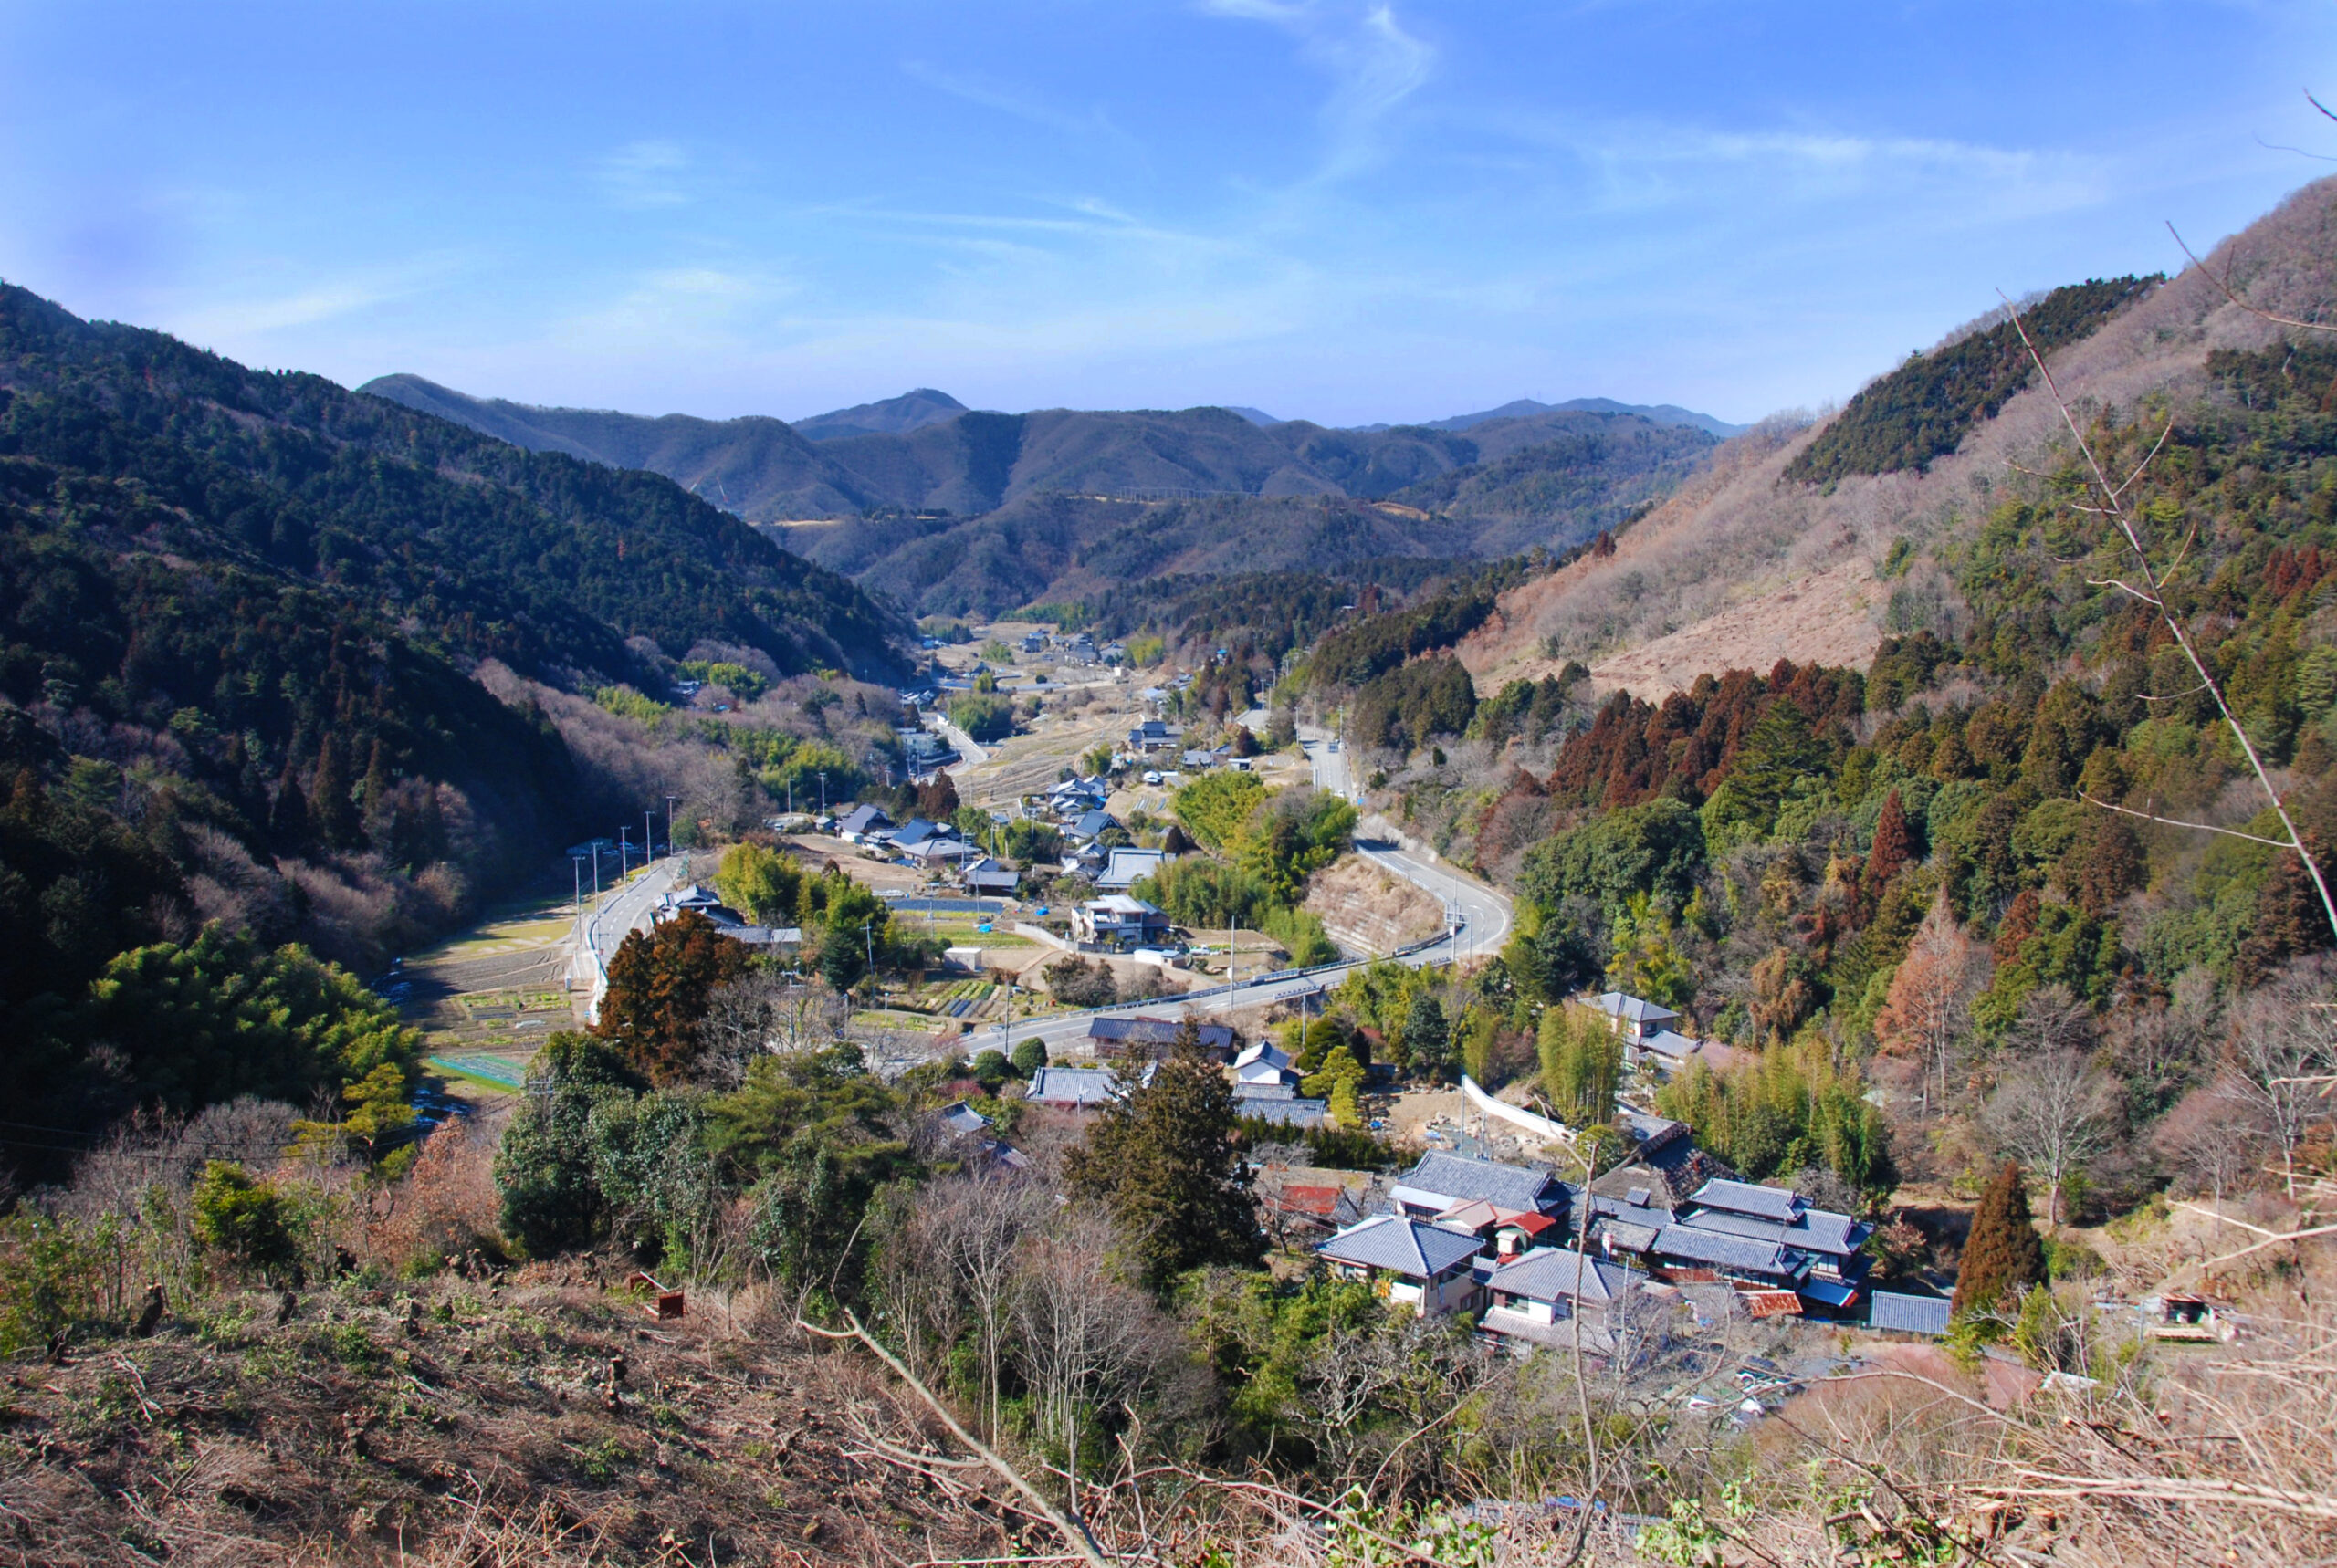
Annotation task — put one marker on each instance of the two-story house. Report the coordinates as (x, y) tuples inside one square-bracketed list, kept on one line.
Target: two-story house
[(1410, 1262), (1119, 922)]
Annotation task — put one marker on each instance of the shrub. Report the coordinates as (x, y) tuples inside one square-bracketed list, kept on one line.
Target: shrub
[(244, 1220)]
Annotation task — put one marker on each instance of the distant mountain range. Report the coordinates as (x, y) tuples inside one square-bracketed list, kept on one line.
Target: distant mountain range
[(925, 452)]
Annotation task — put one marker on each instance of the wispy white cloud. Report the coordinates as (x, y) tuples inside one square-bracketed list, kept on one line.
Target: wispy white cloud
[(650, 173), (985, 92), (1375, 65)]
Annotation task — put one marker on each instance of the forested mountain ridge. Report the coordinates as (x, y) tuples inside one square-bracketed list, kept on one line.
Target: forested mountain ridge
[(246, 622), (979, 513), (925, 452), (537, 558)]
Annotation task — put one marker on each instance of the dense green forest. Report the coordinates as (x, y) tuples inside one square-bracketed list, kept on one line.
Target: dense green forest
[(241, 616), (1797, 859), (1922, 410)]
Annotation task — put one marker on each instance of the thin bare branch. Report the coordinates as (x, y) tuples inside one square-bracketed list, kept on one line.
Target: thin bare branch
[(2179, 822), (1072, 1531), (2223, 284), (2173, 621)]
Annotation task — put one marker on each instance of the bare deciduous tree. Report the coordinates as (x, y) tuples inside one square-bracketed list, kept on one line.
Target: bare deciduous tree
[(1085, 1339), (2052, 1109), (2278, 1061), (763, 1011)]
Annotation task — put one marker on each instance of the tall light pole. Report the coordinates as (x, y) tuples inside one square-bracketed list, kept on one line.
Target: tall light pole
[(624, 844), (576, 864), (823, 791), (671, 801), (649, 836)]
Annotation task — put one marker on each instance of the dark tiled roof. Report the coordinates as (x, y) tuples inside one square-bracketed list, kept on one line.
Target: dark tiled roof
[(1461, 1176), (1285, 1112), (1776, 1202), (1547, 1273), (1410, 1247), (1159, 1031), (1835, 1235), (1908, 1314), (1072, 1086), (1720, 1250)]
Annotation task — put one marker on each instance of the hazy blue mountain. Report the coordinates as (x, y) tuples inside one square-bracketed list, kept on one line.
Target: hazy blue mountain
[(1255, 415), (894, 416), (974, 512), (1526, 408)]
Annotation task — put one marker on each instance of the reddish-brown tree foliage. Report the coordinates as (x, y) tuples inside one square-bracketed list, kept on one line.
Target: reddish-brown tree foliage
[(2004, 1256), (1927, 1015), (1894, 846), (660, 985)]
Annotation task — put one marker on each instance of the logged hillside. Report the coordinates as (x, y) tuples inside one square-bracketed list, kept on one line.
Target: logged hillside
[(1739, 537)]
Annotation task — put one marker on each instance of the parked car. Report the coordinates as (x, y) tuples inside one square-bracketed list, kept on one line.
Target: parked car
[(1151, 777)]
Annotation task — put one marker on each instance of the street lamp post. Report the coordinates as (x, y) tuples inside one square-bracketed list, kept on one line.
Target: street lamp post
[(624, 845), (671, 801)]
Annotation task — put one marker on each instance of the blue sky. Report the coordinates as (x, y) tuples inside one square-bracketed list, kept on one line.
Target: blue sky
[(1342, 212)]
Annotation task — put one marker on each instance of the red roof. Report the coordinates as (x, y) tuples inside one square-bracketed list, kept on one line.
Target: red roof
[(1770, 1303), (1318, 1200)]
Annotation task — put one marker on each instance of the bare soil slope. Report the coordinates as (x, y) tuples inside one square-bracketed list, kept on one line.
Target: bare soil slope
[(1736, 569)]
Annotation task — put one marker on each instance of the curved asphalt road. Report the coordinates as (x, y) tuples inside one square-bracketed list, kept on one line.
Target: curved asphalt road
[(1478, 921)]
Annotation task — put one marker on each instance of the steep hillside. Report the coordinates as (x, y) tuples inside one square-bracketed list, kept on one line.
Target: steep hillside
[(240, 618), (1739, 538)]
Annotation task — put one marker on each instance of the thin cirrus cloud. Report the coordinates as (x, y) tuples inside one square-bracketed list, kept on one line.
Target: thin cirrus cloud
[(1350, 210), (1014, 102), (646, 174)]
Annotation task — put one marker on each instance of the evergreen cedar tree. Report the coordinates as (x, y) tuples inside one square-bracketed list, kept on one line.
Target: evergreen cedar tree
[(659, 986), (1894, 846), (936, 799), (2004, 1256), (1165, 1157)]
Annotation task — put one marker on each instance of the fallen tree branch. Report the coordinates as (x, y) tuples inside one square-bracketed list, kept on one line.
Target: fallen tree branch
[(1071, 1529)]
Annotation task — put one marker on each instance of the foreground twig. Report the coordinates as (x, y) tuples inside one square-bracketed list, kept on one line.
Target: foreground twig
[(1071, 1529), (2113, 507)]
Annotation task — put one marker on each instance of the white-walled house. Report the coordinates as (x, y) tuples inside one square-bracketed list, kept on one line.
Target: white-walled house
[(1408, 1262), (1535, 1297)]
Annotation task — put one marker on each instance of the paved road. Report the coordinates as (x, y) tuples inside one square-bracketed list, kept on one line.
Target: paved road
[(974, 754), (1330, 767), (1482, 914), (604, 925)]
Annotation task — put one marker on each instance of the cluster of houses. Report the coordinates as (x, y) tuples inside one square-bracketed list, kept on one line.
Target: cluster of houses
[(935, 847), (1074, 647), (1265, 1084), (700, 899), (1539, 1261)]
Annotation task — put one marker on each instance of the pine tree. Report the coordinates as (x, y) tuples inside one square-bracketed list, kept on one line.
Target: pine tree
[(1894, 846), (1165, 1158), (2004, 1255), (329, 807), (1428, 1038)]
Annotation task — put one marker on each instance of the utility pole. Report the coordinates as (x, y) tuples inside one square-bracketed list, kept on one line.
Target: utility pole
[(624, 844), (671, 801), (596, 869), (823, 792), (649, 835), (576, 864)]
